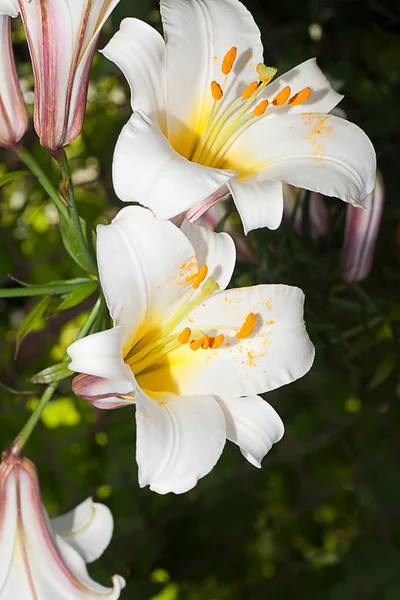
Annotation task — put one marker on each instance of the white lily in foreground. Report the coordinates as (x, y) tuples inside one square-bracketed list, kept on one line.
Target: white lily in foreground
[(43, 559), (208, 122), (62, 36), (191, 356)]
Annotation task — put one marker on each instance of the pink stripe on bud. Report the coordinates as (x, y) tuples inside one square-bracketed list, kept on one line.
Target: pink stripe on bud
[(96, 390), (362, 227), (13, 114)]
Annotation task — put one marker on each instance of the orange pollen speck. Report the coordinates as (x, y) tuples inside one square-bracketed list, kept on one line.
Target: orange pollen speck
[(200, 277), (300, 97), (248, 327), (281, 97), (184, 335), (196, 344), (261, 108), (228, 61), (217, 341), (206, 342), (216, 90), (249, 91)]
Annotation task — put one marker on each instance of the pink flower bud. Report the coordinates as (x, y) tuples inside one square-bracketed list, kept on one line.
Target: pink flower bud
[(13, 114), (62, 36), (47, 559), (362, 227)]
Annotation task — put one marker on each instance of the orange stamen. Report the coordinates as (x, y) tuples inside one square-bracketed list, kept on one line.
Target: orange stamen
[(249, 91), (200, 277), (248, 327), (184, 335), (196, 344), (206, 342), (261, 108), (300, 97), (217, 341), (228, 61), (281, 97), (216, 91)]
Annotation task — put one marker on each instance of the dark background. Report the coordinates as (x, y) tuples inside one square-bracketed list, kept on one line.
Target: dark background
[(321, 519)]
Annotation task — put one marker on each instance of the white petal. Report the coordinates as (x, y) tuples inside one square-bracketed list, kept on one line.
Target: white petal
[(216, 250), (104, 393), (252, 424), (145, 267), (101, 354), (278, 352), (317, 152), (198, 34), (259, 203), (323, 97), (9, 7), (139, 51), (88, 528), (147, 170), (179, 440)]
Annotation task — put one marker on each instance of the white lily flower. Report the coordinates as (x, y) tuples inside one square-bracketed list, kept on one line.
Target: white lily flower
[(9, 8), (207, 121), (191, 356), (43, 559)]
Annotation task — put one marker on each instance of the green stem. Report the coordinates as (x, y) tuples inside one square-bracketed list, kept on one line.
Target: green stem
[(62, 160), (42, 178), (30, 425), (90, 320)]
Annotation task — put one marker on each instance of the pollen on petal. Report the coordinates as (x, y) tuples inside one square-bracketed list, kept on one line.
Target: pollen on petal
[(216, 90), (248, 327), (217, 341), (261, 108), (200, 277), (228, 61), (184, 335), (265, 73), (300, 97), (249, 91), (281, 96), (196, 344)]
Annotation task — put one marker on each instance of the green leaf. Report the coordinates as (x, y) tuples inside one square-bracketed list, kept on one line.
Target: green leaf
[(383, 371), (71, 244), (51, 374), (52, 288), (32, 320), (77, 295), (8, 177)]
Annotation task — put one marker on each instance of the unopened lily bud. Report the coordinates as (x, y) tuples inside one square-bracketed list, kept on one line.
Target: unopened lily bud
[(13, 114), (62, 39), (46, 559), (362, 227)]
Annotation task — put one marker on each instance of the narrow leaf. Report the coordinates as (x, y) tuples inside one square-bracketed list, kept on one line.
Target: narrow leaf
[(77, 295), (8, 177), (32, 320), (383, 371), (54, 373)]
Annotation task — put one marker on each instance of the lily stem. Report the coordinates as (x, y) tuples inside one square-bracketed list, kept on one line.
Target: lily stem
[(28, 160)]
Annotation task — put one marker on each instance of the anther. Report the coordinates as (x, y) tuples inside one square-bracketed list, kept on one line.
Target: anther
[(228, 61), (196, 344), (206, 342), (281, 96), (248, 327), (217, 341), (260, 108), (200, 277), (249, 91), (184, 335), (216, 91), (300, 97), (266, 74)]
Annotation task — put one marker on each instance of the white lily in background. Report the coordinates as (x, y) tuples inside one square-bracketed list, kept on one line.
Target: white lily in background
[(13, 113), (62, 37), (43, 559), (361, 233), (208, 122), (191, 356)]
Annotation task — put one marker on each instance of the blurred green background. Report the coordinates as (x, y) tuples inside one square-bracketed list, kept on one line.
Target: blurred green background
[(321, 520)]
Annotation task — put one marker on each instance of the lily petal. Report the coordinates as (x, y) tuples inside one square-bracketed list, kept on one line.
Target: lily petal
[(278, 351), (9, 8), (198, 34), (252, 424), (88, 529), (179, 440), (147, 170), (318, 152), (216, 250), (259, 203), (139, 51), (103, 393)]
